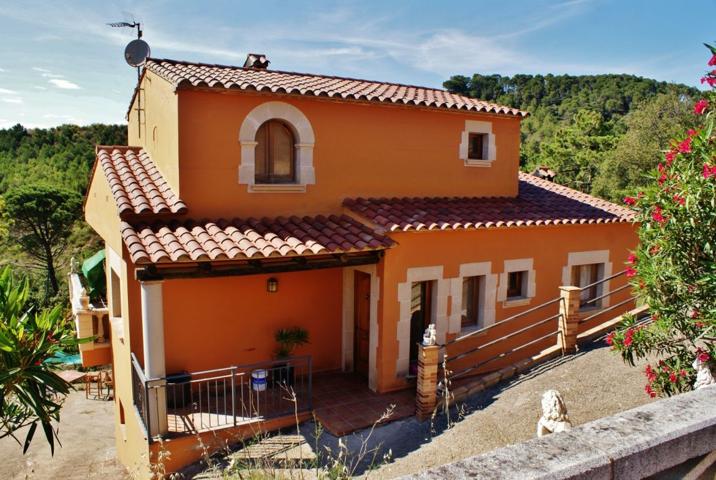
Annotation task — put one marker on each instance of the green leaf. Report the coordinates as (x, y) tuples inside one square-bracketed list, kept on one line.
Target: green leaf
[(28, 438)]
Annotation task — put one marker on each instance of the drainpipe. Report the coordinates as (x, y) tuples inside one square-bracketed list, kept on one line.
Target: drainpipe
[(154, 367)]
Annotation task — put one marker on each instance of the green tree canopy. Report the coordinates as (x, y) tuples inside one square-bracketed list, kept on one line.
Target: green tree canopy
[(649, 129), (42, 218)]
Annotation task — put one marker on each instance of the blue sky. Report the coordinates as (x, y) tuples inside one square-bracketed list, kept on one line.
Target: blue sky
[(60, 63)]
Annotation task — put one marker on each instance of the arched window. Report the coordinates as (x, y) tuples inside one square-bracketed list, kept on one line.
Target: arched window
[(275, 153)]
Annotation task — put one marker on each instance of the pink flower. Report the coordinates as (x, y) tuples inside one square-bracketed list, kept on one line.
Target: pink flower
[(650, 391), (710, 80), (691, 132), (682, 372), (670, 156), (679, 199), (657, 216), (700, 107), (672, 377), (610, 338), (630, 200), (628, 340), (685, 146), (630, 272), (709, 171), (631, 259), (650, 374), (712, 61), (662, 178), (702, 355)]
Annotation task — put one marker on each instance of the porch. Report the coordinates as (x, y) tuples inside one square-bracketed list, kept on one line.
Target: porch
[(245, 395)]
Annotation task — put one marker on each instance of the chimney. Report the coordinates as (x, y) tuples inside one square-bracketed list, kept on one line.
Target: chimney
[(256, 60), (545, 173)]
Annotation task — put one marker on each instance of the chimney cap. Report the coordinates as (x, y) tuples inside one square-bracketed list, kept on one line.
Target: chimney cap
[(256, 60), (545, 173)]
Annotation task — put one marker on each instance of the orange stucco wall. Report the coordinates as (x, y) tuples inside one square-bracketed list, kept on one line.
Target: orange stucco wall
[(360, 150), (548, 246), (213, 323)]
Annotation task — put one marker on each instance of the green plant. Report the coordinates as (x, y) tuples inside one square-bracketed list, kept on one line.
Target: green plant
[(31, 393), (674, 268), (288, 339)]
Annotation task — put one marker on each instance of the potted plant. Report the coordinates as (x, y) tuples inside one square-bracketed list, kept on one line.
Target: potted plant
[(287, 339)]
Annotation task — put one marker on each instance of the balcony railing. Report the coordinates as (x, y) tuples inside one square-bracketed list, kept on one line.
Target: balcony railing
[(225, 397)]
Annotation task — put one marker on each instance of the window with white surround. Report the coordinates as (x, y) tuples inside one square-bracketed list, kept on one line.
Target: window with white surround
[(471, 311), (276, 149), (517, 283), (583, 270), (477, 144)]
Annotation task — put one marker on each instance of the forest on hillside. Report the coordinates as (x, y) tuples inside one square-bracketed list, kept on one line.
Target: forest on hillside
[(601, 134), (43, 180)]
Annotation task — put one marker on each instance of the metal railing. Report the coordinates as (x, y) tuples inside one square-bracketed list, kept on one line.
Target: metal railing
[(597, 301), (226, 397), (544, 328), (139, 393)]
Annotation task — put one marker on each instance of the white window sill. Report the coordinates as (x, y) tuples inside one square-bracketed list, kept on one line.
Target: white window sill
[(516, 302), (470, 162), (470, 329), (277, 188)]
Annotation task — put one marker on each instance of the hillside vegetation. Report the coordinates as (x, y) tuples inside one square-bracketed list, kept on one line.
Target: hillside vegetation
[(600, 133), (41, 167)]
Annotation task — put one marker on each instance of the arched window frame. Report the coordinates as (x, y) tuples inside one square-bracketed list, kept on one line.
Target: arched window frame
[(304, 137)]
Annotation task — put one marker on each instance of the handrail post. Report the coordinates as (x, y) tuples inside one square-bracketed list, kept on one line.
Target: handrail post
[(427, 382), (569, 318), (233, 393)]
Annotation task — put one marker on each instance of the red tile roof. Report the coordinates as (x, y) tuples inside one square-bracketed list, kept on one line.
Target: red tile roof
[(539, 202), (190, 241), (187, 74), (136, 183)]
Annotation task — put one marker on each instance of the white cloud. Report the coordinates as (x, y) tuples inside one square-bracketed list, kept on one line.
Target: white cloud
[(47, 73), (64, 84), (15, 100), (40, 88), (39, 69), (5, 91), (2, 70)]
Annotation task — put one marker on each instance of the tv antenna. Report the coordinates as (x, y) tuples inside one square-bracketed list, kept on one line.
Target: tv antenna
[(137, 51)]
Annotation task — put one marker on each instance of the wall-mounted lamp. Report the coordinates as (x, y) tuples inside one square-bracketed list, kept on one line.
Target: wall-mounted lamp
[(272, 285)]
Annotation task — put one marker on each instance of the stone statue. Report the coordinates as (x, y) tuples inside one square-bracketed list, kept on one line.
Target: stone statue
[(554, 414), (704, 377), (430, 336)]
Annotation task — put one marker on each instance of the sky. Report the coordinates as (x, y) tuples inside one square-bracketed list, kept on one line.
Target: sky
[(60, 62)]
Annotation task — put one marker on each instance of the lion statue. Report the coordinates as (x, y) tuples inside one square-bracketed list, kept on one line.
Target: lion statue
[(704, 377), (554, 414)]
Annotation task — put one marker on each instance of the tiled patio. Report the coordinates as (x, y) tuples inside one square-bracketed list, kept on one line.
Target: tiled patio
[(343, 403)]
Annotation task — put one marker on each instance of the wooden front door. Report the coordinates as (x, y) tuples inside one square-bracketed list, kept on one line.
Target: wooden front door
[(361, 331)]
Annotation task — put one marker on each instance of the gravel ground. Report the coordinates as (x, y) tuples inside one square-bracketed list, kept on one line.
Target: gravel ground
[(594, 384), (87, 452)]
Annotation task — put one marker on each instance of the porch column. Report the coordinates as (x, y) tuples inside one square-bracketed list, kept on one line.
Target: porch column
[(154, 367)]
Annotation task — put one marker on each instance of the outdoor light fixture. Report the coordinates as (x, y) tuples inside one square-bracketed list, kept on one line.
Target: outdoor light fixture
[(272, 285)]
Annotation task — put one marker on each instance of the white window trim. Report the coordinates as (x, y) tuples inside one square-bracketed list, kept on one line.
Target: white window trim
[(475, 126), (487, 305), (439, 313), (587, 258), (348, 322), (305, 140), (118, 266), (517, 265)]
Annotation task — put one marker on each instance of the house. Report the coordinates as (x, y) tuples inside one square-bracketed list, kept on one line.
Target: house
[(251, 200)]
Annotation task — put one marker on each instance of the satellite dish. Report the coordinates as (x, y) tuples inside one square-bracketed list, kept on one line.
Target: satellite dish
[(137, 52)]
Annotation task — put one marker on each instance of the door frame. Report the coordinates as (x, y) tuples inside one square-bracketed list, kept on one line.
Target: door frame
[(348, 326)]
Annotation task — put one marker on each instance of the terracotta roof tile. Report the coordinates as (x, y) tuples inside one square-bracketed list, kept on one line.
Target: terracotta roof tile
[(539, 202), (191, 241), (136, 183), (187, 74)]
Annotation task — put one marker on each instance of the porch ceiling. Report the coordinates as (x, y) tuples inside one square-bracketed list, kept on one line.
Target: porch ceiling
[(177, 242)]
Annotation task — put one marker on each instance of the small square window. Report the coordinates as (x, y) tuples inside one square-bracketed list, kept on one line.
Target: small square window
[(477, 146), (517, 285)]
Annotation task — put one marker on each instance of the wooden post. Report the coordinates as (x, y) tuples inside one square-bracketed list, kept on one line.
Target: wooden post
[(427, 382), (569, 318)]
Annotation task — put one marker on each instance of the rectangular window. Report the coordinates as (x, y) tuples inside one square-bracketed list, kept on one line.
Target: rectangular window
[(517, 285), (116, 298), (477, 146), (585, 276), (471, 293)]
